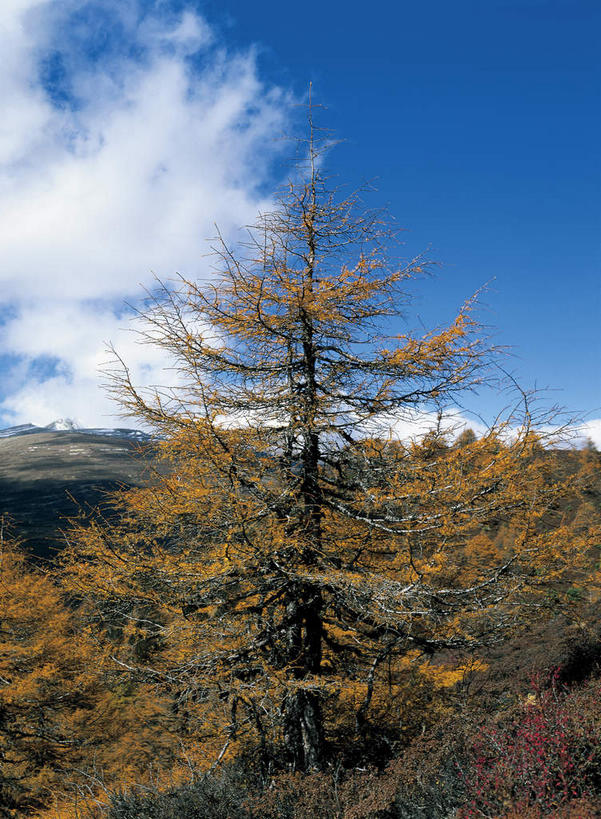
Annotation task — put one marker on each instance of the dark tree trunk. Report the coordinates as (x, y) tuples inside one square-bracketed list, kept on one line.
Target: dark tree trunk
[(301, 709), (303, 730)]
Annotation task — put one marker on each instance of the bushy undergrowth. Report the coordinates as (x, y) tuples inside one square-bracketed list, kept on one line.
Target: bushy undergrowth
[(196, 801), (543, 759), (217, 795), (227, 795)]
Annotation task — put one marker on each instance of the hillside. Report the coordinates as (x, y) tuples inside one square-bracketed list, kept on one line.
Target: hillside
[(47, 475)]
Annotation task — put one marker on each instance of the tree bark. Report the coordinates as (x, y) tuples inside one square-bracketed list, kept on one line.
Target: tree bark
[(303, 730)]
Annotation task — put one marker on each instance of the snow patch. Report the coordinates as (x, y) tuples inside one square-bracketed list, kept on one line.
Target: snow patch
[(64, 425)]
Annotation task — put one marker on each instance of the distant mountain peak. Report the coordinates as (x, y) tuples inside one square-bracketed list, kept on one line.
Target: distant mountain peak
[(64, 425)]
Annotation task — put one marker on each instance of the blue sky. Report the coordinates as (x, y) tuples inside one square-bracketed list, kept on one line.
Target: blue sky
[(481, 122), (132, 127)]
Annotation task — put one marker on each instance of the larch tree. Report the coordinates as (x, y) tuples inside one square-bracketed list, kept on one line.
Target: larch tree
[(292, 546), (65, 725)]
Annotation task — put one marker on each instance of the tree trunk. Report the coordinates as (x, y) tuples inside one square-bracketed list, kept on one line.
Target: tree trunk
[(302, 717), (303, 729)]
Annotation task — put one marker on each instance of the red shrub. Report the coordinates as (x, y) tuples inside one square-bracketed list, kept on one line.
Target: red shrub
[(547, 757)]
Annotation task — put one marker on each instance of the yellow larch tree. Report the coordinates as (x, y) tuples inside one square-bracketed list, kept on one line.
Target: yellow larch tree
[(46, 679), (292, 548), (67, 725)]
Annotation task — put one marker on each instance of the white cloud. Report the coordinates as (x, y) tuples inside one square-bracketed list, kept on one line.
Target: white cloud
[(412, 424), (187, 36), (590, 430), (126, 177), (52, 332)]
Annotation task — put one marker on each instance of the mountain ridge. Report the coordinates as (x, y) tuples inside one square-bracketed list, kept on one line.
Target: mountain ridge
[(70, 425)]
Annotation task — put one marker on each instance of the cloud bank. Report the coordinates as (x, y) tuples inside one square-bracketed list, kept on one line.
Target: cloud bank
[(127, 135)]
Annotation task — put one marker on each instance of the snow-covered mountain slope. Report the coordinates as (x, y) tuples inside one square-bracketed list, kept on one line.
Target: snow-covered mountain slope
[(69, 425), (22, 429)]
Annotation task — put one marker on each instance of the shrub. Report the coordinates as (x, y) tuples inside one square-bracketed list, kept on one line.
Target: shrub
[(219, 795), (542, 760), (428, 781), (235, 792)]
